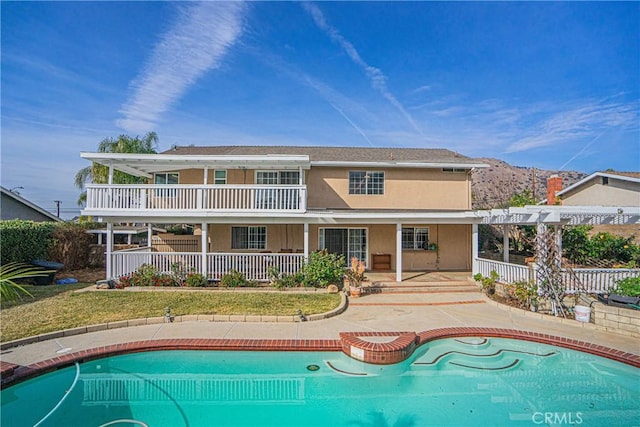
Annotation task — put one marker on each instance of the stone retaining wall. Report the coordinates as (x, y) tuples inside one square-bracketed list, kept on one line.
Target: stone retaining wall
[(620, 320)]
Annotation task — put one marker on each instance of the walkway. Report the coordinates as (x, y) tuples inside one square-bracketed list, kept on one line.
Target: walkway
[(418, 305)]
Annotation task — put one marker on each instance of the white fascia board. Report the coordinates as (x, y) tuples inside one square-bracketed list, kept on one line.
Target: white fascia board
[(392, 164), (583, 181), (168, 159)]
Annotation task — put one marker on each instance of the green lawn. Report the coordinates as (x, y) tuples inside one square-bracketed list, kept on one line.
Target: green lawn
[(57, 307)]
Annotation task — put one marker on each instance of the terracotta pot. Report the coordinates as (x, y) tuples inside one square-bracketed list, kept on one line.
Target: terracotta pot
[(355, 292)]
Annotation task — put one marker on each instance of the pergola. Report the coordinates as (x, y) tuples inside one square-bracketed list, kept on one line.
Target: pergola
[(556, 216)]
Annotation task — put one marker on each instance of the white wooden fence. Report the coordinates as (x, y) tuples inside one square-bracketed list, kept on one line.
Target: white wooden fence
[(589, 280), (232, 198), (252, 266)]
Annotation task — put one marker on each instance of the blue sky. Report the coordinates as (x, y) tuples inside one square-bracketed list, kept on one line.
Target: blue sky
[(550, 85)]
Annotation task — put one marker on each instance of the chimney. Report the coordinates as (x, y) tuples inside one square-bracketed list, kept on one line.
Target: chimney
[(554, 185)]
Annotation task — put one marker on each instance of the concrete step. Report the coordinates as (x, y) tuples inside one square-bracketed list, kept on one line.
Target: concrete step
[(426, 288)]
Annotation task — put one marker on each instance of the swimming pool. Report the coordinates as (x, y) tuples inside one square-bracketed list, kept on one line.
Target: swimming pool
[(461, 381)]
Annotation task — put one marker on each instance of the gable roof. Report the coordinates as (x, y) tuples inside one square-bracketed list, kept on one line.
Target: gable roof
[(623, 176), (337, 155), (27, 203)]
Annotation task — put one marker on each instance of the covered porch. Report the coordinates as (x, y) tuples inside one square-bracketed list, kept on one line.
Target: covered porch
[(377, 235)]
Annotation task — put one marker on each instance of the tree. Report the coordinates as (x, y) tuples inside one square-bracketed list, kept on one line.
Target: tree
[(98, 174), (523, 236)]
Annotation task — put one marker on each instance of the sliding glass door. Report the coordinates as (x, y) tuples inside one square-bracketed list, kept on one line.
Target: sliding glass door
[(350, 242)]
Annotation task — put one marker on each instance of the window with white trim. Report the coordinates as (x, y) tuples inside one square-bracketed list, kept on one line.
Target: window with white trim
[(166, 178), (454, 170), (366, 182), (220, 177), (415, 238), (278, 177), (249, 237)]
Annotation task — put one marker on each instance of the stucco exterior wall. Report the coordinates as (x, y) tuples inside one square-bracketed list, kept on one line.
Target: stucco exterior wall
[(279, 237), (406, 188), (454, 243), (615, 193)]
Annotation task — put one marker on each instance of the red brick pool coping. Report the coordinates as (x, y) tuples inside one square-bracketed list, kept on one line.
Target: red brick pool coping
[(396, 347)]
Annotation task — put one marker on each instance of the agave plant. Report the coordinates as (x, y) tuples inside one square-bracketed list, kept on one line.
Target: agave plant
[(9, 273)]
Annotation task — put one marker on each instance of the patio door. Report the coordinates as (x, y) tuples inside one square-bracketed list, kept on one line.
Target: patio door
[(350, 242)]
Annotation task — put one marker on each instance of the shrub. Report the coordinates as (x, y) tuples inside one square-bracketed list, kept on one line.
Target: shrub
[(628, 287), (233, 279), (280, 280), (71, 246), (24, 241), (147, 275), (324, 269), (488, 283), (195, 280)]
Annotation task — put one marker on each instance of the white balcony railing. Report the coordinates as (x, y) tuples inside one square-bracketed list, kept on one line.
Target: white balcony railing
[(185, 198)]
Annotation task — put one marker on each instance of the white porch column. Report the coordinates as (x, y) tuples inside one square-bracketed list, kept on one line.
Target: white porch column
[(110, 177), (109, 267), (398, 252), (205, 230), (306, 241), (475, 268), (505, 242), (149, 235), (205, 174)]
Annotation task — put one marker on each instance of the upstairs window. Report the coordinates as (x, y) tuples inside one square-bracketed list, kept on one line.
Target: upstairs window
[(366, 182), (249, 237), (415, 238), (220, 177), (166, 178), (277, 177)]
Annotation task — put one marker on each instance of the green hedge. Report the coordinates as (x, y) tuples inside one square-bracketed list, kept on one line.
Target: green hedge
[(24, 241)]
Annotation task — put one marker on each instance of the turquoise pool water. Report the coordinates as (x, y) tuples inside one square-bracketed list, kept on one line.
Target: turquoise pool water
[(449, 382)]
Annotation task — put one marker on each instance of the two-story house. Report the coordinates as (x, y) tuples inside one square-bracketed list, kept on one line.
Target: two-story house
[(397, 209)]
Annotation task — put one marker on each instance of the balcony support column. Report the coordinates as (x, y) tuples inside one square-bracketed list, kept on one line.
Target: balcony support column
[(149, 235), (398, 252), (205, 230), (475, 266), (306, 242), (108, 263)]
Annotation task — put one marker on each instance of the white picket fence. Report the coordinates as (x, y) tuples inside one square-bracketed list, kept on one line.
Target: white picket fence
[(589, 280), (252, 266)]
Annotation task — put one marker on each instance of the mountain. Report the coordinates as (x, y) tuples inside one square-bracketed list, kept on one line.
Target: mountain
[(492, 187)]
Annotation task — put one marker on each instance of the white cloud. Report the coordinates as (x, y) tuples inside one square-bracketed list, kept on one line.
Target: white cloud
[(570, 122), (376, 76), (198, 41)]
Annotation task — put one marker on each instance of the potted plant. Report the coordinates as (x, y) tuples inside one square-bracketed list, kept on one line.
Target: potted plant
[(355, 276)]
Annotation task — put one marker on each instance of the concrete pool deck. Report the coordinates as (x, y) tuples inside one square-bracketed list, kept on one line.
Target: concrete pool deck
[(443, 300)]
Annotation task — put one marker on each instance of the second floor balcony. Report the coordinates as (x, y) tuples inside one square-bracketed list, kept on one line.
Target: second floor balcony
[(104, 199)]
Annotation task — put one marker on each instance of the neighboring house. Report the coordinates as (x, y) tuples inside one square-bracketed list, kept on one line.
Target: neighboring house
[(598, 189), (614, 189), (253, 207), (14, 206)]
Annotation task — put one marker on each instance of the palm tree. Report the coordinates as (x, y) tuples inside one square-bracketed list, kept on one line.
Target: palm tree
[(9, 273), (98, 174)]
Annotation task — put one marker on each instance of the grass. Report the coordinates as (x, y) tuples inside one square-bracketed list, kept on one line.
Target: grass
[(54, 308)]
